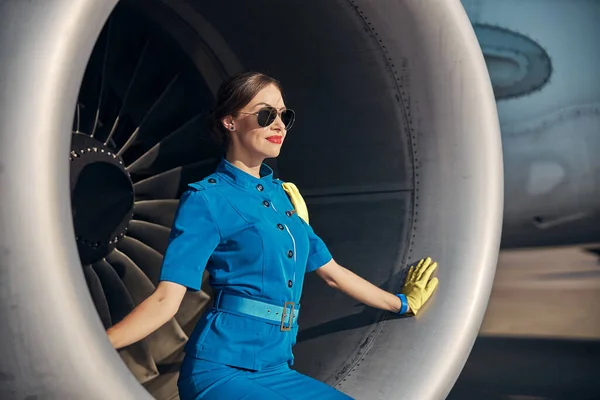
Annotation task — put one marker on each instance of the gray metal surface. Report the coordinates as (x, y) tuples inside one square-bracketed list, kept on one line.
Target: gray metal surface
[(397, 152), (458, 198), (52, 343)]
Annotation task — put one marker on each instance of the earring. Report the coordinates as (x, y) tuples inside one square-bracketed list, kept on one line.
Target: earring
[(231, 127)]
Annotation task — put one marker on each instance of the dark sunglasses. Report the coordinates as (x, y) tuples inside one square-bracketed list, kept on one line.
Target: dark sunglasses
[(267, 115)]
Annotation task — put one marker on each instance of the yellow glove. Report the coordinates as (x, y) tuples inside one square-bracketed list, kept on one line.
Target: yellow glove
[(297, 200), (418, 288)]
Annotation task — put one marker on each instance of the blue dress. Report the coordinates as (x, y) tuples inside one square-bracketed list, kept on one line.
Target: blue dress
[(243, 230)]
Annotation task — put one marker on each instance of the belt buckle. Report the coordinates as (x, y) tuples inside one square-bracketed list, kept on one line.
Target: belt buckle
[(284, 328)]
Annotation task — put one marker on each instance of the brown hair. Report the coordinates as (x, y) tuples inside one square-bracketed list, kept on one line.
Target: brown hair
[(234, 94)]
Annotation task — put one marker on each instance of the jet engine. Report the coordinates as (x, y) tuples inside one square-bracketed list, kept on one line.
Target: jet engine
[(103, 123)]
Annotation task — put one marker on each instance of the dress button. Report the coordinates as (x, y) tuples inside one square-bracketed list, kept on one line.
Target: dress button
[(259, 187), (288, 213), (290, 254), (290, 283), (266, 203), (280, 227), (212, 180)]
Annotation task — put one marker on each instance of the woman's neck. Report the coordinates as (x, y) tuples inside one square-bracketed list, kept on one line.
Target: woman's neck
[(247, 164)]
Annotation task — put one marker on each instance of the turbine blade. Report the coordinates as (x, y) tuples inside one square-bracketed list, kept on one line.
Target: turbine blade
[(160, 212), (138, 359), (186, 145), (153, 235), (148, 259), (171, 184), (137, 283), (98, 297), (125, 101), (102, 78), (165, 385), (155, 112), (167, 339), (117, 296)]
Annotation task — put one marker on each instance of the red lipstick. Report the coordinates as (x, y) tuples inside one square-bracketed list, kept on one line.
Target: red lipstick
[(275, 139)]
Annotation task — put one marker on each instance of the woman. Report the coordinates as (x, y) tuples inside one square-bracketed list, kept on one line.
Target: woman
[(240, 225)]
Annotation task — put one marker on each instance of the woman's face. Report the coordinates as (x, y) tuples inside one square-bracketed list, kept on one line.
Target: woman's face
[(248, 138)]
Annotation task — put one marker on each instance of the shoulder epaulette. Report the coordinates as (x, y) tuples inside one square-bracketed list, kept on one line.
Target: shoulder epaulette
[(204, 183)]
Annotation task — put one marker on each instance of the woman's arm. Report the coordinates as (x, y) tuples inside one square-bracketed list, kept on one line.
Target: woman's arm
[(417, 289), (358, 288), (148, 316)]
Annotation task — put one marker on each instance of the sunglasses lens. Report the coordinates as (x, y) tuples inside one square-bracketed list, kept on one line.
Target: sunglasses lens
[(288, 117), (266, 116)]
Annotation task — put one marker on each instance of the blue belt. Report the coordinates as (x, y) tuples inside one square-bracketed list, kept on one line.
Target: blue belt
[(285, 316)]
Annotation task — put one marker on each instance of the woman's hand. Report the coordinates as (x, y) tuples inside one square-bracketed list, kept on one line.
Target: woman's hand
[(148, 316), (418, 288)]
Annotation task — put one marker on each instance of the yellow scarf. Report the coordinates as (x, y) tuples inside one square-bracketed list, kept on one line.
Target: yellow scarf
[(297, 200)]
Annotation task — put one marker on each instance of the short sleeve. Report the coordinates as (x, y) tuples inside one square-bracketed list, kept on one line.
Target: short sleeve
[(193, 238), (318, 254)]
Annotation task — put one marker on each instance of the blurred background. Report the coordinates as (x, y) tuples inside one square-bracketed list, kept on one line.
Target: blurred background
[(540, 338)]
